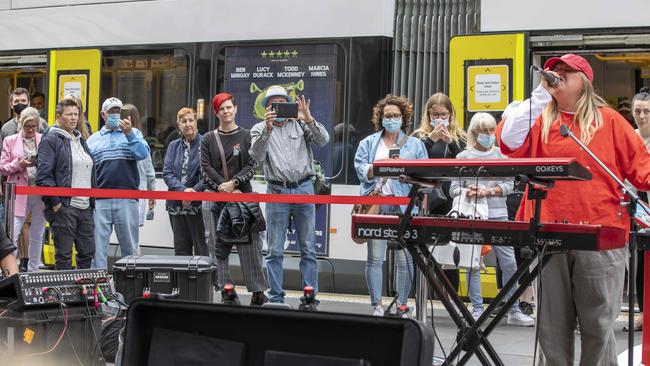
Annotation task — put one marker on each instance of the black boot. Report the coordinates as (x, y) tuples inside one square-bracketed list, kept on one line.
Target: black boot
[(259, 299), (22, 267)]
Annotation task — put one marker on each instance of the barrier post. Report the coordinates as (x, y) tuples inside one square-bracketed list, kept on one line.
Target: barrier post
[(9, 202)]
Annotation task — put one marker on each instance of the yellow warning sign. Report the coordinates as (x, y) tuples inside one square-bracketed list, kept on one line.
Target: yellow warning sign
[(487, 88), (75, 84), (28, 336)]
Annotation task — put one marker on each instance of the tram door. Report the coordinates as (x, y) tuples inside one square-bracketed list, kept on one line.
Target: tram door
[(26, 71), (486, 73)]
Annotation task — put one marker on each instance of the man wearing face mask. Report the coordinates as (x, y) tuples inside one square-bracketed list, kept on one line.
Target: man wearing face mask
[(283, 148), (19, 99), (115, 149)]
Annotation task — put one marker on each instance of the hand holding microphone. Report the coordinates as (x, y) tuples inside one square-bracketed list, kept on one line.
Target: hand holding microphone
[(551, 79)]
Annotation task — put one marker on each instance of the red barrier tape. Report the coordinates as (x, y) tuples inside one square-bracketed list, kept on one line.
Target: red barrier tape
[(210, 196)]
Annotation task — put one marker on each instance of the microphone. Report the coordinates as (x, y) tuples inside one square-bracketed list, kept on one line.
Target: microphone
[(550, 78), (564, 131)]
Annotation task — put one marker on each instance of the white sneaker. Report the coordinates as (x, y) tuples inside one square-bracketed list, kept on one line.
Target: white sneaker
[(377, 310), (516, 317), (476, 313)]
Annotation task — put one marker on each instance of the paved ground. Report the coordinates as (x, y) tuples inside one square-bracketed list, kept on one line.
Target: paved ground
[(513, 344)]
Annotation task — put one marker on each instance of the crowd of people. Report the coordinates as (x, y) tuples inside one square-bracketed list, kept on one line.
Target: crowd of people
[(586, 285)]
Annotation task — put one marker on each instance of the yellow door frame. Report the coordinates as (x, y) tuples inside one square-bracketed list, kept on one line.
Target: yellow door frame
[(481, 49), (75, 71)]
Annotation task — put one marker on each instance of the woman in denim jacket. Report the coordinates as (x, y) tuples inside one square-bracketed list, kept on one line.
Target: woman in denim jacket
[(391, 117)]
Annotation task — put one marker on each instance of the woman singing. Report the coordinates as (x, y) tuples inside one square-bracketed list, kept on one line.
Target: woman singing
[(578, 287)]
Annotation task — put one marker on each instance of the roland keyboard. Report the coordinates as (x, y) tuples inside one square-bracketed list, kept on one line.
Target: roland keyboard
[(450, 169), (430, 230)]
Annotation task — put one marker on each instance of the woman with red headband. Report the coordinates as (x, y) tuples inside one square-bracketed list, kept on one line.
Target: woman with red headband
[(230, 143), (578, 287)]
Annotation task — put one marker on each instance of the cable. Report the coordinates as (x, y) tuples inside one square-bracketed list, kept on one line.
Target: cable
[(74, 350), (65, 328), (436, 333), (92, 326), (3, 312)]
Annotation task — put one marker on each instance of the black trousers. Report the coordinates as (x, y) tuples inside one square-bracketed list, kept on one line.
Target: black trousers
[(72, 225), (189, 234)]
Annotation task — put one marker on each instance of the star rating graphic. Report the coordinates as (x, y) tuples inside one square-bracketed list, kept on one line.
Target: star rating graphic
[(279, 53)]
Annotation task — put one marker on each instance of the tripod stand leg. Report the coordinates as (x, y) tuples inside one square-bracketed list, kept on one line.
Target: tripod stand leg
[(426, 263)]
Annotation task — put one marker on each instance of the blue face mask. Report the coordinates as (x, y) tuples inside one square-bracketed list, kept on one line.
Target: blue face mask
[(391, 125), (113, 121), (487, 141), (280, 119)]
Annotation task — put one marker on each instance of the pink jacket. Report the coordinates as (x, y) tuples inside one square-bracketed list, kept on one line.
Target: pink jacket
[(12, 154)]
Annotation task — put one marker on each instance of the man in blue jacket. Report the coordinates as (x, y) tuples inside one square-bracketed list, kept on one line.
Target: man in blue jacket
[(115, 150)]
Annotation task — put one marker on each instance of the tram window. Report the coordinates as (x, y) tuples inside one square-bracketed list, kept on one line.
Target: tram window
[(156, 82)]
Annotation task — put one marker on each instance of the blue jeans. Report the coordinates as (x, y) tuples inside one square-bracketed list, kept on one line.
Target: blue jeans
[(376, 255), (506, 258), (124, 215), (277, 221)]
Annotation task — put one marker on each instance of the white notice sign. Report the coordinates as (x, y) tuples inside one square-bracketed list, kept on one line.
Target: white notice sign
[(72, 87), (488, 88)]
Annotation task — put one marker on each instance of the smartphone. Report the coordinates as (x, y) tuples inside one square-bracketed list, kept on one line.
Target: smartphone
[(124, 113), (285, 110), (393, 153)]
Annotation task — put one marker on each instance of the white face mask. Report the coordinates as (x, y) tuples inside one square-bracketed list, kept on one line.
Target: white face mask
[(435, 122)]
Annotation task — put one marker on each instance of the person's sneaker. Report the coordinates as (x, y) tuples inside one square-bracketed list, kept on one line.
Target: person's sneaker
[(259, 299), (526, 308), (497, 309), (516, 317), (476, 313), (377, 310)]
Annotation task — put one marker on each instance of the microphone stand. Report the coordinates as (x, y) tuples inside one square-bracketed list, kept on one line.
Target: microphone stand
[(633, 200)]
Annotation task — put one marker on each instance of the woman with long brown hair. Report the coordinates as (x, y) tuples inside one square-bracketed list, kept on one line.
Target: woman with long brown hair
[(145, 168), (443, 139)]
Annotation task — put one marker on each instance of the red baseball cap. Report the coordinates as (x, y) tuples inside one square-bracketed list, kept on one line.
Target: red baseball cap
[(219, 99), (575, 62)]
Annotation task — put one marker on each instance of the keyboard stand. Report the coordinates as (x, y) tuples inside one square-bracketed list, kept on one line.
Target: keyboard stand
[(471, 334)]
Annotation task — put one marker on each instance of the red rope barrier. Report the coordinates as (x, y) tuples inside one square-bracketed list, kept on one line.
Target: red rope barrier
[(210, 196)]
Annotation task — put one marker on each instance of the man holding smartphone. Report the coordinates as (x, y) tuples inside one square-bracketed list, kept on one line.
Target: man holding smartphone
[(282, 145), (115, 150)]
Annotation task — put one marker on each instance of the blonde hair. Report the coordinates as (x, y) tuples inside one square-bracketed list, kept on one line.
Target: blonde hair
[(26, 114), (183, 111), (587, 116), (481, 122), (442, 100)]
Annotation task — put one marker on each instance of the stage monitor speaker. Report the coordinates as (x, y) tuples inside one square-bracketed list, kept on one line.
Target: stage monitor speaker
[(176, 333)]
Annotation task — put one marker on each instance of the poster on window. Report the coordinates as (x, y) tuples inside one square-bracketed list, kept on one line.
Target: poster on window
[(308, 70)]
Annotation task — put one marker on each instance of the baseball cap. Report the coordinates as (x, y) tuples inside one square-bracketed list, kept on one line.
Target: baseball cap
[(111, 102), (275, 91), (575, 62)]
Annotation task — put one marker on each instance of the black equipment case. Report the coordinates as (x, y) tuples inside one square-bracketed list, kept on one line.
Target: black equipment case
[(172, 333), (35, 336), (191, 277)]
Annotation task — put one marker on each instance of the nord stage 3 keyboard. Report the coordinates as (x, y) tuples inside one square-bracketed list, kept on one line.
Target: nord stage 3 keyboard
[(429, 230), (450, 169)]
